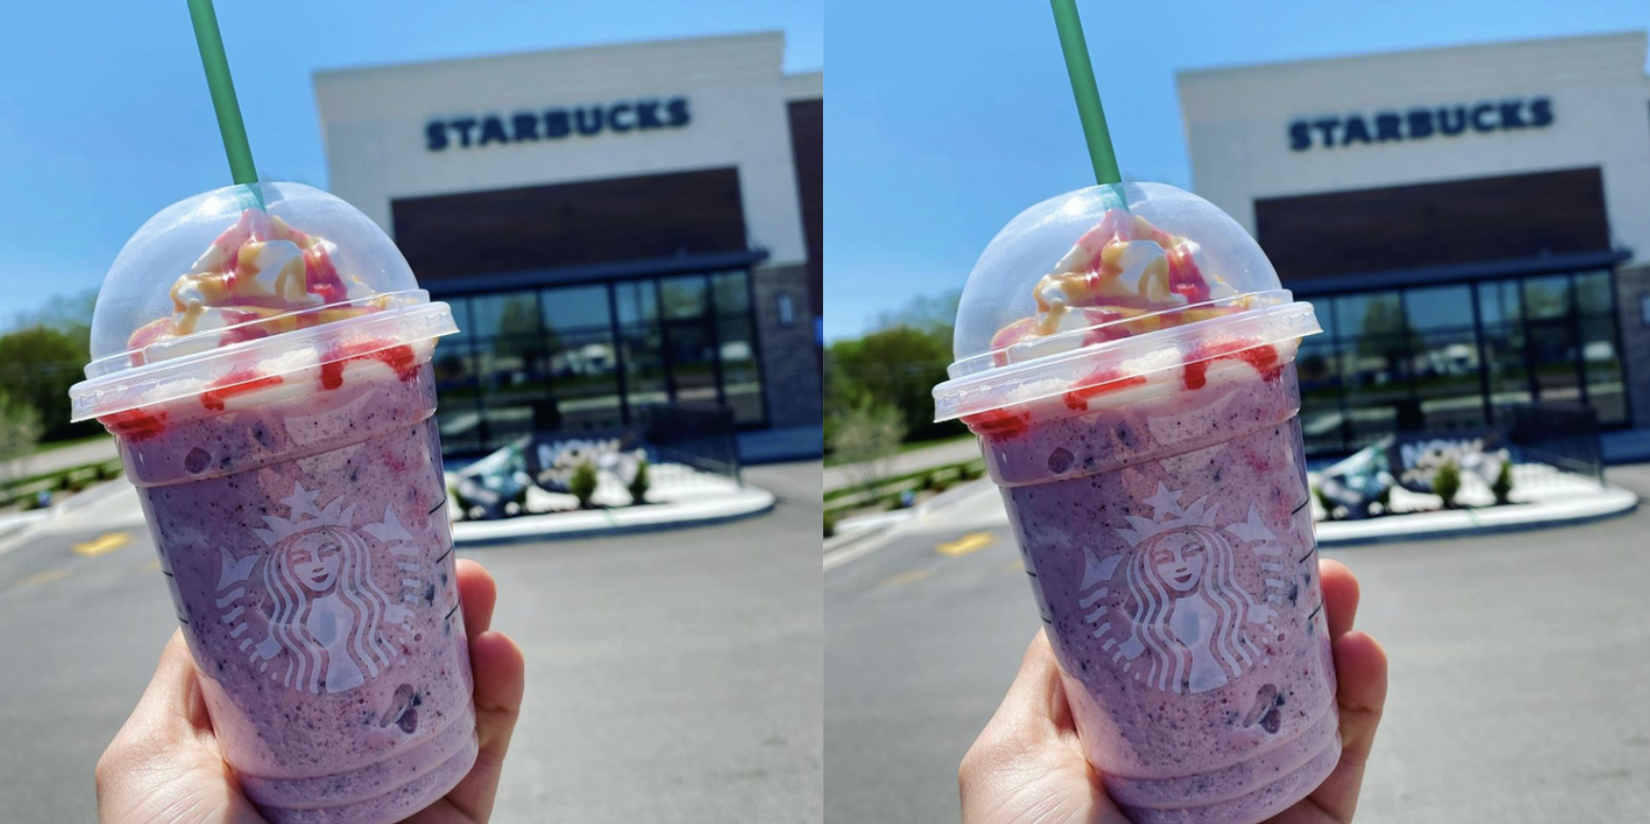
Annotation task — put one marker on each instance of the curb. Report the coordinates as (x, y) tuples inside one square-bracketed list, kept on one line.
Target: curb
[(614, 529), (1479, 530)]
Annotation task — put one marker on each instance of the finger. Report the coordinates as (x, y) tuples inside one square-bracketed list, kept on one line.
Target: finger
[(164, 758), (1027, 765), (1340, 596), (1361, 669), (478, 593), (500, 677)]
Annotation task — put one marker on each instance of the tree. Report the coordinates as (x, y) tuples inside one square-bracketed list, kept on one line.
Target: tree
[(71, 314), (935, 315), (895, 368), (38, 364), (19, 432), (864, 435)]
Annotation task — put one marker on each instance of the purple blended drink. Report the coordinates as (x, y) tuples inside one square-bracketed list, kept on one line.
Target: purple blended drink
[(275, 409), (1140, 415)]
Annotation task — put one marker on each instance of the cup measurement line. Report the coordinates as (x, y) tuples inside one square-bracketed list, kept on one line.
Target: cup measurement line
[(1309, 553), (1303, 505)]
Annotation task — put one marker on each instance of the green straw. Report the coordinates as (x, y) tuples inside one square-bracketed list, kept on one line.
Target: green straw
[(223, 93), (1087, 94)]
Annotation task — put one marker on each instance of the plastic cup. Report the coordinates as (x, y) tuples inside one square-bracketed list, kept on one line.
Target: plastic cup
[(1126, 356), (266, 375)]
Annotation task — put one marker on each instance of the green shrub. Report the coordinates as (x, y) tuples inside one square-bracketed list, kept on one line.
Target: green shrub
[(830, 524), (1447, 483), (639, 484), (937, 483), (1503, 483), (1385, 499), (583, 484), (1324, 503)]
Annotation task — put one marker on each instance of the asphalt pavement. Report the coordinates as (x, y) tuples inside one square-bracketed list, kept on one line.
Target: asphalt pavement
[(672, 676), (1517, 688)]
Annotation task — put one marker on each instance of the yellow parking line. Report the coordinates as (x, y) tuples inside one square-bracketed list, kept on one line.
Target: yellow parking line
[(103, 545), (153, 565), (972, 542), (1015, 566), (44, 577), (906, 578)]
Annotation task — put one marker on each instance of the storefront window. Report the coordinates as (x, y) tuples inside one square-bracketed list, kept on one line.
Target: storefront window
[(641, 344), (1425, 357), (736, 340), (1507, 369), (1605, 390), (1547, 297), (1593, 294), (589, 356), (1375, 313), (455, 381), (1498, 302), (512, 313), (1439, 308), (580, 357), (1321, 414), (690, 339)]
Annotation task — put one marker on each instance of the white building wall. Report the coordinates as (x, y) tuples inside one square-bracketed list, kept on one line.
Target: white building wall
[(373, 121), (1237, 120)]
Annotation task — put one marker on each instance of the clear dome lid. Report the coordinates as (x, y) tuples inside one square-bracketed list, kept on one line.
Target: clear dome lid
[(243, 283), (1110, 281)]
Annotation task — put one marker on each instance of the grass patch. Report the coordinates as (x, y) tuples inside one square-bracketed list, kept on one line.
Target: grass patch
[(839, 501), (73, 479)]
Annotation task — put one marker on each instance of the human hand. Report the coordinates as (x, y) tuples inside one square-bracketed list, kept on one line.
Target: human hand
[(1027, 766), (165, 766)]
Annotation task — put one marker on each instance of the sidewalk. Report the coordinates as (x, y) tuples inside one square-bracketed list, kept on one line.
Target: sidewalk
[(1549, 498), (950, 452), (681, 497)]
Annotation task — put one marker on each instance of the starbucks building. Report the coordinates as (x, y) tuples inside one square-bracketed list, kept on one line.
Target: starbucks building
[(1472, 225), (615, 227)]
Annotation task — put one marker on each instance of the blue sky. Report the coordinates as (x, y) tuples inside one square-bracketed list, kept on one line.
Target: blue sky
[(105, 119), (942, 125)]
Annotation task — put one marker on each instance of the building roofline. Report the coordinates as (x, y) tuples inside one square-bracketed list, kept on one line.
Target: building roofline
[(1221, 72), (346, 71), (1478, 270)]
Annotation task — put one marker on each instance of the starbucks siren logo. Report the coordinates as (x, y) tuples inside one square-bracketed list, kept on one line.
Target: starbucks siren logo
[(329, 624), (1185, 610)]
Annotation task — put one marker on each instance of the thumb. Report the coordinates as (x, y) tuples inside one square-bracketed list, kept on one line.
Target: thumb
[(1027, 765), (172, 709), (164, 765)]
